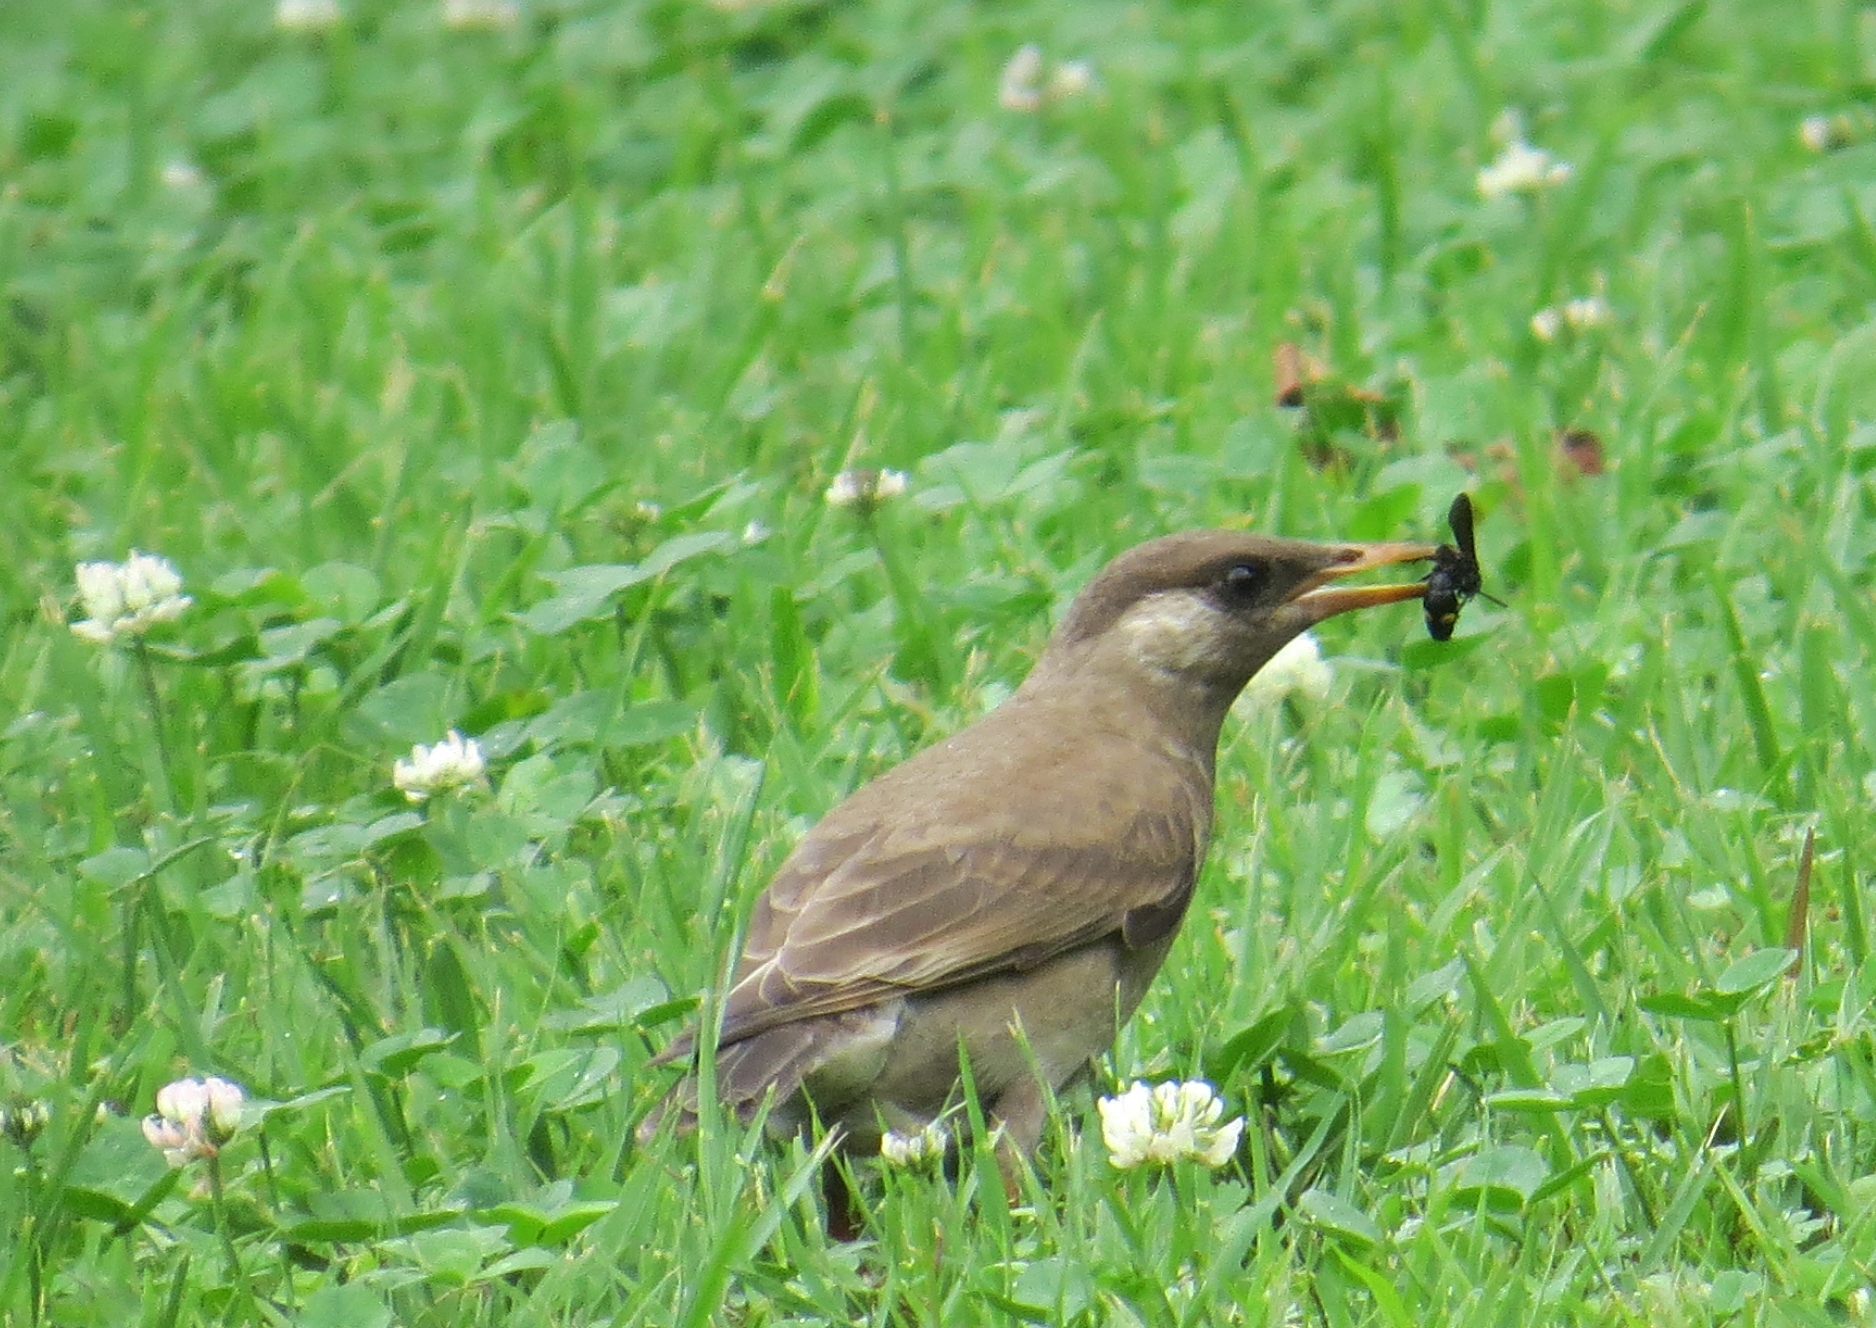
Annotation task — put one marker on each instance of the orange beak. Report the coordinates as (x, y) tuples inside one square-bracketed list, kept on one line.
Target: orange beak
[(1323, 599)]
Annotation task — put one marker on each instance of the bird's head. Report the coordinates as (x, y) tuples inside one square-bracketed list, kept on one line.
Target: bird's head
[(1199, 612)]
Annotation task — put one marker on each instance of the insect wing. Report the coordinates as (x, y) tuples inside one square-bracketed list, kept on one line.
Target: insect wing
[(1459, 517), (1464, 565)]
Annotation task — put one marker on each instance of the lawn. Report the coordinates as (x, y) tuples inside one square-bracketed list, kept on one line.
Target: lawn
[(485, 369)]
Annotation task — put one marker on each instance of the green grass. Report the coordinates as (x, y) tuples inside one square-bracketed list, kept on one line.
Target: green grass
[(492, 380)]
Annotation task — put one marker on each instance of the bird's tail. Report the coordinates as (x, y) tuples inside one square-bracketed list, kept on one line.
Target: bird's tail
[(766, 1067)]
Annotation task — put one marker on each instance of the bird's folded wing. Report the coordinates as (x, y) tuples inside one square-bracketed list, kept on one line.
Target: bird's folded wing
[(868, 911)]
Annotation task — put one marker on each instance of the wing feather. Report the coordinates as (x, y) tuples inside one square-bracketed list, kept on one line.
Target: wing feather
[(932, 876)]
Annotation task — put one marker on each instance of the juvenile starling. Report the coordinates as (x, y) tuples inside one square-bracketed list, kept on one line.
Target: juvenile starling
[(1013, 889)]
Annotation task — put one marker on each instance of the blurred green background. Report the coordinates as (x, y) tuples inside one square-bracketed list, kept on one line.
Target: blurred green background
[(486, 368)]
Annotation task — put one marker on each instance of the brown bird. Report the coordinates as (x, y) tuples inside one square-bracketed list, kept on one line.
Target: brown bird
[(1013, 889)]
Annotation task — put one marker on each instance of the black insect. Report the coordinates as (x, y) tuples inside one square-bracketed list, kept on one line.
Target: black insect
[(1455, 575)]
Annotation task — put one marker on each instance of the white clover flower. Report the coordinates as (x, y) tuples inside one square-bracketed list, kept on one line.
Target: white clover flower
[(194, 1118), (178, 1146), (1827, 133), (450, 764), (306, 15), (225, 1101), (914, 1152), (184, 1102), (180, 173), (1168, 1123), (1020, 86), (128, 598), (1296, 670), (1586, 312), (1583, 314), (1029, 82), (865, 489), (1070, 79), (480, 15), (1522, 169)]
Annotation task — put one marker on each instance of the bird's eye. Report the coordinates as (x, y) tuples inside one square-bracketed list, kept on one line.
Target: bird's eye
[(1242, 581)]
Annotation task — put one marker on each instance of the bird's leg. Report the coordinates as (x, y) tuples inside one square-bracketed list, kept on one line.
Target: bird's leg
[(1012, 1164), (1016, 1120), (1019, 1114)]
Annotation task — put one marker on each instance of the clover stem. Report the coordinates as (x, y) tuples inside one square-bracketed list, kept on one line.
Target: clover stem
[(147, 673), (218, 1200)]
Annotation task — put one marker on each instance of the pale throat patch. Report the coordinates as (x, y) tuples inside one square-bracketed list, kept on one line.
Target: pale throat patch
[(1170, 631)]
